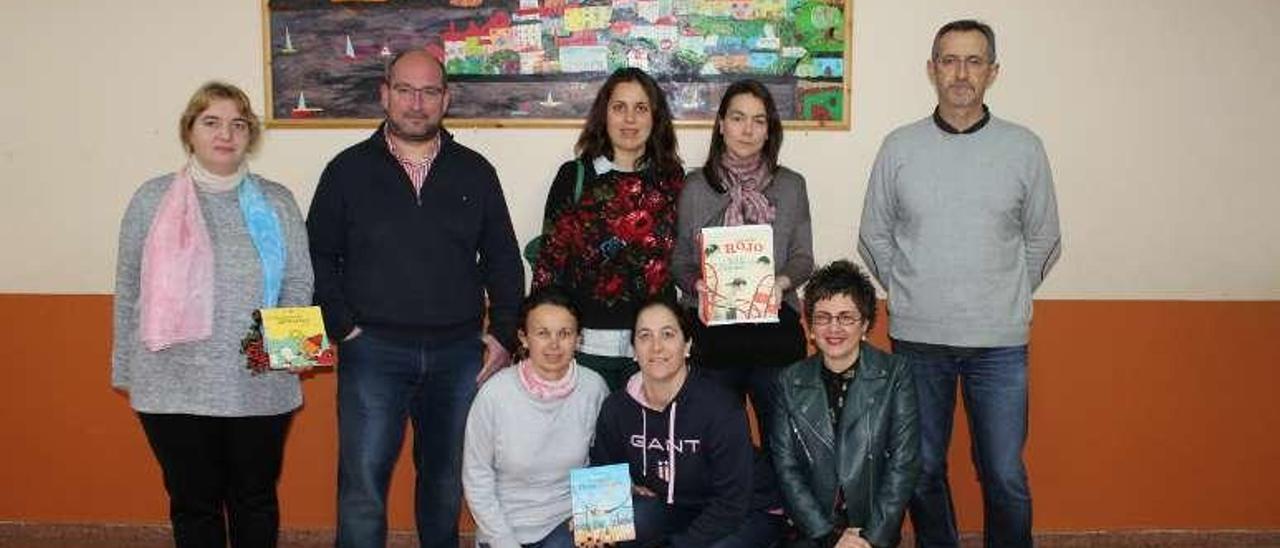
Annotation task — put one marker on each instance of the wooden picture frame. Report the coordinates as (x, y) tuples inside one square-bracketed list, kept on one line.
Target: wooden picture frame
[(538, 63)]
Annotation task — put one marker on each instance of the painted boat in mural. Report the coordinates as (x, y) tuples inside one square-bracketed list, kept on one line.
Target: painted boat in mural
[(302, 110)]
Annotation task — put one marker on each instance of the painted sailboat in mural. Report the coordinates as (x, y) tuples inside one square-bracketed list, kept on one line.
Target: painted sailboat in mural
[(550, 101), (385, 51), (288, 43), (351, 48), (302, 110)]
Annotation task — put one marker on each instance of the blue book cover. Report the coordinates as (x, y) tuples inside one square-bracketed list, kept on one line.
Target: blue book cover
[(602, 511)]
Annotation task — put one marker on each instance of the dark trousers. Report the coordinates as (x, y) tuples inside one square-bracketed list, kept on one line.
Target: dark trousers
[(383, 383), (221, 475), (993, 382), (748, 357)]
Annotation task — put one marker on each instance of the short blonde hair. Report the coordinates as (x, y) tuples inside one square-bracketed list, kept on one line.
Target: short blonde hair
[(205, 96)]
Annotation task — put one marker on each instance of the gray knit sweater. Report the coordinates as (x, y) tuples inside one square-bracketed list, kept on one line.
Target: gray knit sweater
[(960, 229), (701, 206), (518, 453), (208, 377)]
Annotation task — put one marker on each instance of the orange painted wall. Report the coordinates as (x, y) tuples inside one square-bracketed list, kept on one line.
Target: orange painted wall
[(1145, 414)]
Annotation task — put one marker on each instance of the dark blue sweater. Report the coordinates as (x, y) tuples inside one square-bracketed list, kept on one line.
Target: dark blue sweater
[(410, 268), (703, 436)]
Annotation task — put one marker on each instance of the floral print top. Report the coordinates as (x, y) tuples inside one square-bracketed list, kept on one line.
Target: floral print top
[(611, 249)]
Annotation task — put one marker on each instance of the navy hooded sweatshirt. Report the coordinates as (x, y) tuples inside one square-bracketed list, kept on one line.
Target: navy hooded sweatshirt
[(696, 453)]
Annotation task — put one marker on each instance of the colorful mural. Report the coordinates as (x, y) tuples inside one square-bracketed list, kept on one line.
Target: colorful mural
[(542, 60)]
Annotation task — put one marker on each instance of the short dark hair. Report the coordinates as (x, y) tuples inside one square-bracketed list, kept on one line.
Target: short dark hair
[(967, 25), (842, 278), (663, 301), (550, 295), (772, 142), (660, 152)]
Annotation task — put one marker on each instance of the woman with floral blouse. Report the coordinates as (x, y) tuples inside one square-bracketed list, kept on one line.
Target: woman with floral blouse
[(610, 218)]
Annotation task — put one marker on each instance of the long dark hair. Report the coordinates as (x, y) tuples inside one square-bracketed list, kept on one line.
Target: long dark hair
[(660, 151), (772, 143)]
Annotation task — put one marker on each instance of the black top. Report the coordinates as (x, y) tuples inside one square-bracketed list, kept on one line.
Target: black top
[(610, 248), (409, 267), (944, 126)]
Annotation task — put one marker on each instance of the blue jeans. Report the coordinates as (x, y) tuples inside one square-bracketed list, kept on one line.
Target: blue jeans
[(381, 383), (657, 521), (560, 537), (993, 382)]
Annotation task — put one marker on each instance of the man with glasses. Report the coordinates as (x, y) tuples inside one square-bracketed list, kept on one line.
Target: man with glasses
[(960, 225), (410, 235)]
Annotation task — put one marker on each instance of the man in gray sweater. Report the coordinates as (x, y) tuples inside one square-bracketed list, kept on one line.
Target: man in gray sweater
[(960, 225)]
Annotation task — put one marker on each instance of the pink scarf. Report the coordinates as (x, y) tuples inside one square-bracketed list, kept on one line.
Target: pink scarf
[(177, 270), (542, 389), (745, 179)]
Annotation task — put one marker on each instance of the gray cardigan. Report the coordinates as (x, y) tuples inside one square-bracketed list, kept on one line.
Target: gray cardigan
[(702, 206), (208, 377)]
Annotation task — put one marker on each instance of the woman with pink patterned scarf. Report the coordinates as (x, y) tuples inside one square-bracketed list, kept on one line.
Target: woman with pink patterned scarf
[(528, 427), (201, 249), (742, 183)]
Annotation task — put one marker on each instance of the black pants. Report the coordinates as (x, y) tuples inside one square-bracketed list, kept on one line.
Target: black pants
[(212, 464), (748, 357)]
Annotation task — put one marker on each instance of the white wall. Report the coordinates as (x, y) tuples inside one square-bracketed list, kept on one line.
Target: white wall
[(1160, 119)]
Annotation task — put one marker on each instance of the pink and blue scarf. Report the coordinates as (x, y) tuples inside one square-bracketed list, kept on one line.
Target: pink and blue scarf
[(177, 262)]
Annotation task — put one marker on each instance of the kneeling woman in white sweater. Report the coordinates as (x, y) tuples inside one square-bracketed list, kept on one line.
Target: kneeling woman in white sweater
[(529, 425)]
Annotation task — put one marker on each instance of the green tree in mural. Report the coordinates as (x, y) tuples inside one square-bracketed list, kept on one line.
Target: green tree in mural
[(687, 62), (503, 62), (821, 27)]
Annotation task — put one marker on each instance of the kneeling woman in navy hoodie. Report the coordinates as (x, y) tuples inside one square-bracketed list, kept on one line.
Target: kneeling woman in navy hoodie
[(697, 479)]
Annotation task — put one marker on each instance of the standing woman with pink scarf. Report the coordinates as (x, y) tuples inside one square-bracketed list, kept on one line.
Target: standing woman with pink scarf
[(200, 250), (742, 183)]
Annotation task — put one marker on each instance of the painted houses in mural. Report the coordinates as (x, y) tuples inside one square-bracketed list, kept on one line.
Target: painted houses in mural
[(674, 38), (529, 57)]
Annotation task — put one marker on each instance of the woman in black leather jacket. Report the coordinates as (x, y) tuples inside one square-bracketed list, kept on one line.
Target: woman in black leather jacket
[(845, 437)]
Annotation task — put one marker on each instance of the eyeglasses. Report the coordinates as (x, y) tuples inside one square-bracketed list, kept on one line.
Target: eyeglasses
[(845, 319), (408, 94), (951, 62)]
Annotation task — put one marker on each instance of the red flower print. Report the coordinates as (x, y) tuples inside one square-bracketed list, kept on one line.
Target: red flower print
[(653, 201), (630, 186), (609, 287), (655, 275), (634, 226)]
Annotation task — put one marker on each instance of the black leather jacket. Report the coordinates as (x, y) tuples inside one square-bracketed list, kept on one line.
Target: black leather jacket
[(872, 455)]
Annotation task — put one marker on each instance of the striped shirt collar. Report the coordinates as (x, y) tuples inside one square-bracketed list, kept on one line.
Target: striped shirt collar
[(415, 169)]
